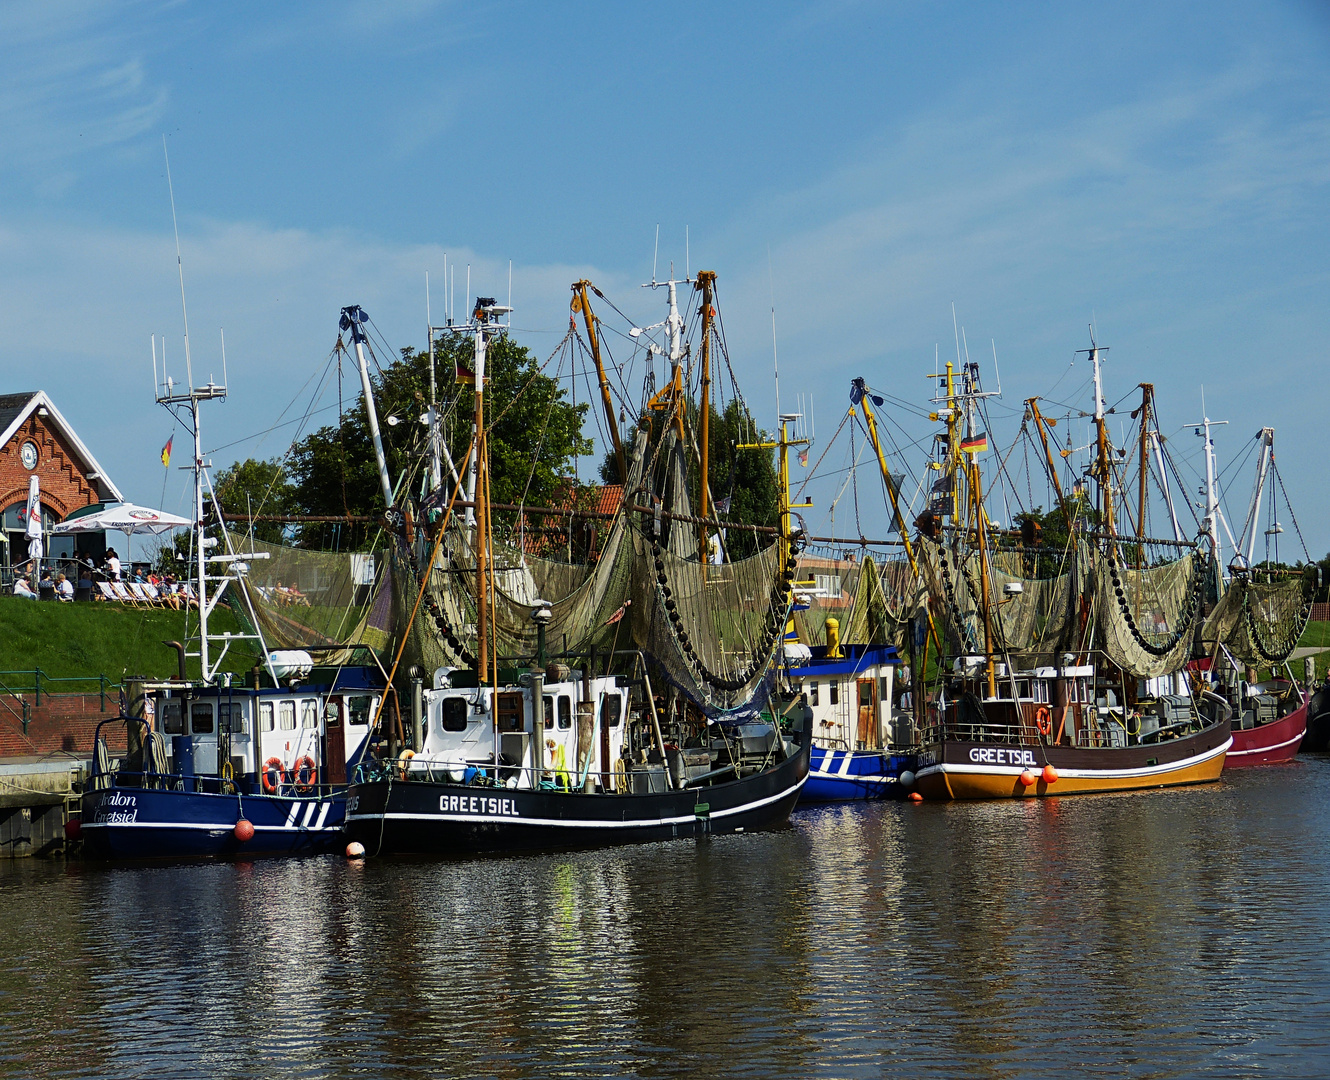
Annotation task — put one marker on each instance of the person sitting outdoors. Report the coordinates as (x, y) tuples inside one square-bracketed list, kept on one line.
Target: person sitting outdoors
[(64, 589), (23, 589), (85, 585)]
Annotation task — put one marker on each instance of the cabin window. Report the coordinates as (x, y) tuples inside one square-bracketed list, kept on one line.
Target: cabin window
[(549, 711), (265, 716), (332, 714), (172, 718), (309, 714), (452, 714), (611, 709), (812, 692), (286, 715), (359, 710), (833, 691), (508, 712), (200, 718), (1023, 688), (565, 713), (231, 718), (865, 692)]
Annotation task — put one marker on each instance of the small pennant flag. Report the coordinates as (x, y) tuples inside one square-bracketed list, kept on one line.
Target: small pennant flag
[(975, 444), (166, 452), (465, 374), (618, 614), (803, 456), (723, 505)]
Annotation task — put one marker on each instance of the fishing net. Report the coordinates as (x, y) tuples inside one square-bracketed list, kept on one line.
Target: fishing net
[(1144, 618), (1258, 622), (305, 599)]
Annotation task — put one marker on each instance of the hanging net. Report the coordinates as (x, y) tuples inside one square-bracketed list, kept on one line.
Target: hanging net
[(1258, 622), (1145, 618)]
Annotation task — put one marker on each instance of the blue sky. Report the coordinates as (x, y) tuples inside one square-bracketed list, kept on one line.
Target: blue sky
[(1160, 169)]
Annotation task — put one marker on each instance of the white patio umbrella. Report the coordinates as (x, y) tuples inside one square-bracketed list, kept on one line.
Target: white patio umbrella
[(123, 517), (34, 522)]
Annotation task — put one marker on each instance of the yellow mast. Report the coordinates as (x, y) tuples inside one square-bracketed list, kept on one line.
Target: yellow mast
[(581, 302), (1039, 425)]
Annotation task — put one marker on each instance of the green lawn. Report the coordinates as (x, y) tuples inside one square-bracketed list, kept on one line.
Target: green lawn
[(87, 640), (1317, 634)]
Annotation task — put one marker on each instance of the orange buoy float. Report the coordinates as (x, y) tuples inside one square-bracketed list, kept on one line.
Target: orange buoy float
[(244, 830), (1050, 775), (916, 797), (355, 850), (1028, 778)]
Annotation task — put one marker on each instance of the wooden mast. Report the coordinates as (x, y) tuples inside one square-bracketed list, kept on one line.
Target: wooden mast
[(582, 301), (1039, 425), (706, 279), (1147, 391)]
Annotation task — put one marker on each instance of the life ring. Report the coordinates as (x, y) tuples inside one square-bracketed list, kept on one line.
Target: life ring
[(273, 775), (620, 776), (403, 762), (304, 774), (1043, 720)]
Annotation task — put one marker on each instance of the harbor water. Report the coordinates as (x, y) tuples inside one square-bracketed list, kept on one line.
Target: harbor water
[(1164, 934)]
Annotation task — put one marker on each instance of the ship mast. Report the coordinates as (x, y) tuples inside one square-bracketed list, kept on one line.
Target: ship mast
[(707, 280), (581, 302)]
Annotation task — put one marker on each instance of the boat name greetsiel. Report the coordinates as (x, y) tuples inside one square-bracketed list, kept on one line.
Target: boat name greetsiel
[(995, 756)]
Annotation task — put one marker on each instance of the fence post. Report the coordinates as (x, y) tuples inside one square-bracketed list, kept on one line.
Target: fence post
[(27, 716), (101, 679), (37, 674)]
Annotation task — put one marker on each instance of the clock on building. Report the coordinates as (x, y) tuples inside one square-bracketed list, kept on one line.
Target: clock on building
[(28, 455)]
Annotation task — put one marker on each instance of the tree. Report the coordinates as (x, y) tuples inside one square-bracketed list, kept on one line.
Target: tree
[(535, 433), (258, 488)]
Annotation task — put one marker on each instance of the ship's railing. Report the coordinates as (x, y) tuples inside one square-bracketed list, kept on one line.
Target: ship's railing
[(205, 784)]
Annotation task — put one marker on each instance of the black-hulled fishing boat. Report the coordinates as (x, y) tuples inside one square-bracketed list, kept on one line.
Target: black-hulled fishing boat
[(517, 756)]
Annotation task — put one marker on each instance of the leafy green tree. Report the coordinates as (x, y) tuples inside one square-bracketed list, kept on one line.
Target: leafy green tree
[(258, 488), (535, 433)]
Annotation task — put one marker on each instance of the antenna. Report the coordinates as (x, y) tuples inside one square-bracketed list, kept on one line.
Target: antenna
[(687, 264), (452, 283), (180, 266), (468, 283), (222, 332), (155, 384), (655, 254), (997, 374), (956, 330), (510, 292)]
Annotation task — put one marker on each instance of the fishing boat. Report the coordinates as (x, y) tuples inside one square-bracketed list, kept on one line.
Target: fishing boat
[(217, 766), (1072, 680), (516, 749), (1261, 613)]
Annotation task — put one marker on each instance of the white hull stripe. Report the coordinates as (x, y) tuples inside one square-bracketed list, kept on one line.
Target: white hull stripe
[(1079, 774), (866, 778), (1267, 749), (201, 827), (512, 819)]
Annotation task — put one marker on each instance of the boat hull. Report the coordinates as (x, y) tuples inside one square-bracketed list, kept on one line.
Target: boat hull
[(148, 823), (850, 775), (1269, 744), (978, 770), (423, 817)]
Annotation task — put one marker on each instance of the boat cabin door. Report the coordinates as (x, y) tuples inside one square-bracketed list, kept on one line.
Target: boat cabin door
[(867, 736), (334, 761)]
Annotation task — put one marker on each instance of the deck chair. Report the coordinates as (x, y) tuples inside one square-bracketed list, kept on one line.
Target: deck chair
[(108, 593), (123, 594), (140, 593), (187, 593)]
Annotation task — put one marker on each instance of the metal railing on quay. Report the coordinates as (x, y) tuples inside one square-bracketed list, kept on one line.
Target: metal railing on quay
[(37, 682)]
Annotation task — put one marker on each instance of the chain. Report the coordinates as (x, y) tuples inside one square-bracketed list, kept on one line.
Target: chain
[(1187, 615)]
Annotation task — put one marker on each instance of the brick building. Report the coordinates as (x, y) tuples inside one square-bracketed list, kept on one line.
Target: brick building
[(36, 439)]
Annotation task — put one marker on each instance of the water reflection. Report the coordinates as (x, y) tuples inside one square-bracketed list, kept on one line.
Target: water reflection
[(1164, 934)]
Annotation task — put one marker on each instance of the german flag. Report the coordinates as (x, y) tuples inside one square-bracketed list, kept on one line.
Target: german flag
[(976, 444)]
